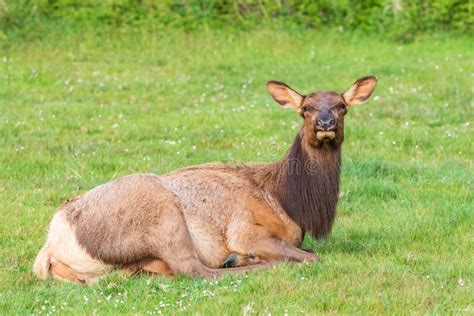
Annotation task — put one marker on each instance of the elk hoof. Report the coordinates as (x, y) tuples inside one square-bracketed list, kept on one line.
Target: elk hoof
[(308, 250), (230, 262), (312, 259)]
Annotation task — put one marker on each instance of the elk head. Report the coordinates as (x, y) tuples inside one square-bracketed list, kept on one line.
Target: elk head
[(323, 112)]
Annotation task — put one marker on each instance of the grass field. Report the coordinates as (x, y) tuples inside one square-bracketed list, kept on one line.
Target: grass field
[(82, 109)]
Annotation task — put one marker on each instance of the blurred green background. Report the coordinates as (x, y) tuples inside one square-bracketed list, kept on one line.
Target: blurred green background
[(397, 19)]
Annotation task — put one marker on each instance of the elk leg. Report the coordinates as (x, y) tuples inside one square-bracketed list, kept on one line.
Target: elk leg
[(157, 267), (62, 271), (239, 260), (181, 257), (173, 244), (276, 249), (265, 246), (130, 269)]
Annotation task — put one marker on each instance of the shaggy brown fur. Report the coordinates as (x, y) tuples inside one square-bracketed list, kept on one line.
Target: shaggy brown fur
[(308, 187), (200, 219)]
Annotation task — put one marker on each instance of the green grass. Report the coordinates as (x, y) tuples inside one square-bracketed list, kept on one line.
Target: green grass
[(82, 109)]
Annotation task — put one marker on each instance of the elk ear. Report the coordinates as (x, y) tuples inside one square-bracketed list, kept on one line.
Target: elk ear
[(284, 95), (360, 91)]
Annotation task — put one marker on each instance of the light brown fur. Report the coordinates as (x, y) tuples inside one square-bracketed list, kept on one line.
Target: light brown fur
[(191, 220)]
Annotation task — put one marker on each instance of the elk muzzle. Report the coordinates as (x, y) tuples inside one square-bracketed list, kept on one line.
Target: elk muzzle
[(326, 126)]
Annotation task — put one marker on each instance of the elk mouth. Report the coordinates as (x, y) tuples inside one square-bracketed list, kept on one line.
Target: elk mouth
[(325, 135)]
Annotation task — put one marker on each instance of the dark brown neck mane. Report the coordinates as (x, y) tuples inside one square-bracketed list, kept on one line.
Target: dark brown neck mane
[(307, 186)]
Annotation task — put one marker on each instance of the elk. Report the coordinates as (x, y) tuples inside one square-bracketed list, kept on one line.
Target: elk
[(210, 219)]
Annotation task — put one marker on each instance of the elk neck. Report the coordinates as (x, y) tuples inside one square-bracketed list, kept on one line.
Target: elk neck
[(306, 183)]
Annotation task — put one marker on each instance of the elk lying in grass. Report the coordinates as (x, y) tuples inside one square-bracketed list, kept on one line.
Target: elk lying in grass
[(210, 219)]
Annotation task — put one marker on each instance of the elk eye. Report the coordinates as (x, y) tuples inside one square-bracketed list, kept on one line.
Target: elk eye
[(342, 107), (305, 109)]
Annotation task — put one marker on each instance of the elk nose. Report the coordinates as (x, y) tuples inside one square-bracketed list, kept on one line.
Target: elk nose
[(326, 124)]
